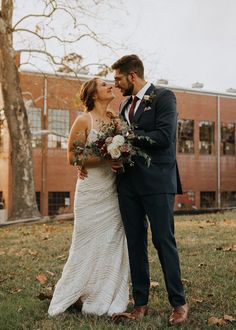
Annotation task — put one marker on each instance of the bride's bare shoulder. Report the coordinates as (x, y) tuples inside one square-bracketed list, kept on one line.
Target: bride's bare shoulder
[(82, 121)]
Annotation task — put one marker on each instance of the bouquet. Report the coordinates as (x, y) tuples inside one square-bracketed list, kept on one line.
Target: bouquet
[(114, 141)]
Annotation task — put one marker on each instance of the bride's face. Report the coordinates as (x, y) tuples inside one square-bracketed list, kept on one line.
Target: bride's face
[(104, 91)]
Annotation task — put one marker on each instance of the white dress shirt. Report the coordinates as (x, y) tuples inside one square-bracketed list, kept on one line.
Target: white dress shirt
[(140, 95)]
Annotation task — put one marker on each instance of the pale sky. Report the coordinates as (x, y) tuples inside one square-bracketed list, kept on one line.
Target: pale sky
[(183, 41)]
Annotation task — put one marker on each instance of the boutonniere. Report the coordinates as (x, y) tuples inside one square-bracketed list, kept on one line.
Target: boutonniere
[(147, 100)]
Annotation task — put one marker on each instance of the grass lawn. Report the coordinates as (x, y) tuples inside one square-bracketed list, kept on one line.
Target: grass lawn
[(32, 257)]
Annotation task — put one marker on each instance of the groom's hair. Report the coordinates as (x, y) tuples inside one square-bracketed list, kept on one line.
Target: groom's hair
[(129, 63)]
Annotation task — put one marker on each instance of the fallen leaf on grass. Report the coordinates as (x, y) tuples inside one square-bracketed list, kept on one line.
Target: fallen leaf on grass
[(45, 236), (226, 249), (211, 221), (26, 251), (220, 321), (199, 301), (186, 282), (229, 318), (61, 257), (227, 222), (202, 264), (42, 278), (230, 249), (48, 228), (154, 284), (44, 296), (216, 321), (16, 290), (3, 279), (33, 253), (50, 273)]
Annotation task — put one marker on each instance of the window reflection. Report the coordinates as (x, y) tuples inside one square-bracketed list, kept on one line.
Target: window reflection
[(208, 199), (227, 139), (35, 123), (228, 199), (59, 122), (206, 137), (185, 136)]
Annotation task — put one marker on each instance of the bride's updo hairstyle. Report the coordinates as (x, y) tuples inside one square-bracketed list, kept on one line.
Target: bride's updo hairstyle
[(87, 93)]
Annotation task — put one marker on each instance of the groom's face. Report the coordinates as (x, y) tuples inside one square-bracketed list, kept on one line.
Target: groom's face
[(123, 82)]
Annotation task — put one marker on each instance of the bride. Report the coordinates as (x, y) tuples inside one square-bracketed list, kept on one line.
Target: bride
[(96, 272)]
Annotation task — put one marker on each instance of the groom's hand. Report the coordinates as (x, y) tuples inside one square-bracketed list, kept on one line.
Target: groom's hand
[(116, 166)]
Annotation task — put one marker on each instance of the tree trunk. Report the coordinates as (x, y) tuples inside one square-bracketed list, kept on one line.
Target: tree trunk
[(23, 191)]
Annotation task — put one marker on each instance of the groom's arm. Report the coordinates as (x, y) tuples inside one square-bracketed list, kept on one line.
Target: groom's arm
[(165, 125)]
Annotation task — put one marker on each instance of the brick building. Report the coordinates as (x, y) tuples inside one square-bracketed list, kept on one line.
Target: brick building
[(205, 146)]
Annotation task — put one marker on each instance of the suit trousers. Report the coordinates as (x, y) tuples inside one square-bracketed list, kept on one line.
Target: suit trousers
[(159, 210)]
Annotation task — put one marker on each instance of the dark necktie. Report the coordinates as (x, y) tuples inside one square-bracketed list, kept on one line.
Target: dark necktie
[(132, 107)]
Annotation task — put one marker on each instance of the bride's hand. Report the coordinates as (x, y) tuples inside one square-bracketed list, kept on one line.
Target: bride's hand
[(82, 172)]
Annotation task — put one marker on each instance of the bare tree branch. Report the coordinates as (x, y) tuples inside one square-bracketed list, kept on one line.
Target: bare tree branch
[(94, 36), (33, 15), (51, 57), (55, 8)]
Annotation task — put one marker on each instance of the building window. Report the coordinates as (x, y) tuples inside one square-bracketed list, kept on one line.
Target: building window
[(206, 137), (35, 124), (186, 136), (37, 196), (58, 122), (2, 203), (228, 198), (227, 139), (58, 202), (208, 199)]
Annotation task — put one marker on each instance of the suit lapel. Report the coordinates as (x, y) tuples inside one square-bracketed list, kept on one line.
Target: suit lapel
[(142, 106)]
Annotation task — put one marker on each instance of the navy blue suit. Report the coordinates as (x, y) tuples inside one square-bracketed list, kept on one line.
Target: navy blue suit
[(149, 192)]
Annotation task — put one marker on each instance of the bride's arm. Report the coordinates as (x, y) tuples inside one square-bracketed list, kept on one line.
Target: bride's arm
[(79, 132)]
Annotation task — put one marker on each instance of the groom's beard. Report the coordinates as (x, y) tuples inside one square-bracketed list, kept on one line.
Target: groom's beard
[(129, 90)]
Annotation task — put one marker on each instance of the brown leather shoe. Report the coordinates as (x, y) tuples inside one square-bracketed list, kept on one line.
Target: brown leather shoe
[(179, 315), (137, 313)]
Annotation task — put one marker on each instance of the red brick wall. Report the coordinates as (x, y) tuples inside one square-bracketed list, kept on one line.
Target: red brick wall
[(198, 172)]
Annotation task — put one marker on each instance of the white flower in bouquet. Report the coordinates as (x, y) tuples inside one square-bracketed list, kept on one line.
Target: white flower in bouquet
[(118, 140), (108, 140), (114, 151)]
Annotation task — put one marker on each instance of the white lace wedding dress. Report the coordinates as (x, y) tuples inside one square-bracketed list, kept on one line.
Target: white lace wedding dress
[(97, 268)]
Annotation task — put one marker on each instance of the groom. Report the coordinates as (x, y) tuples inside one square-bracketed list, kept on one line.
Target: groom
[(150, 191)]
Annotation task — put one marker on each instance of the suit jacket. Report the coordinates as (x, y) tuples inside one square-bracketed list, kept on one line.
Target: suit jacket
[(156, 119)]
